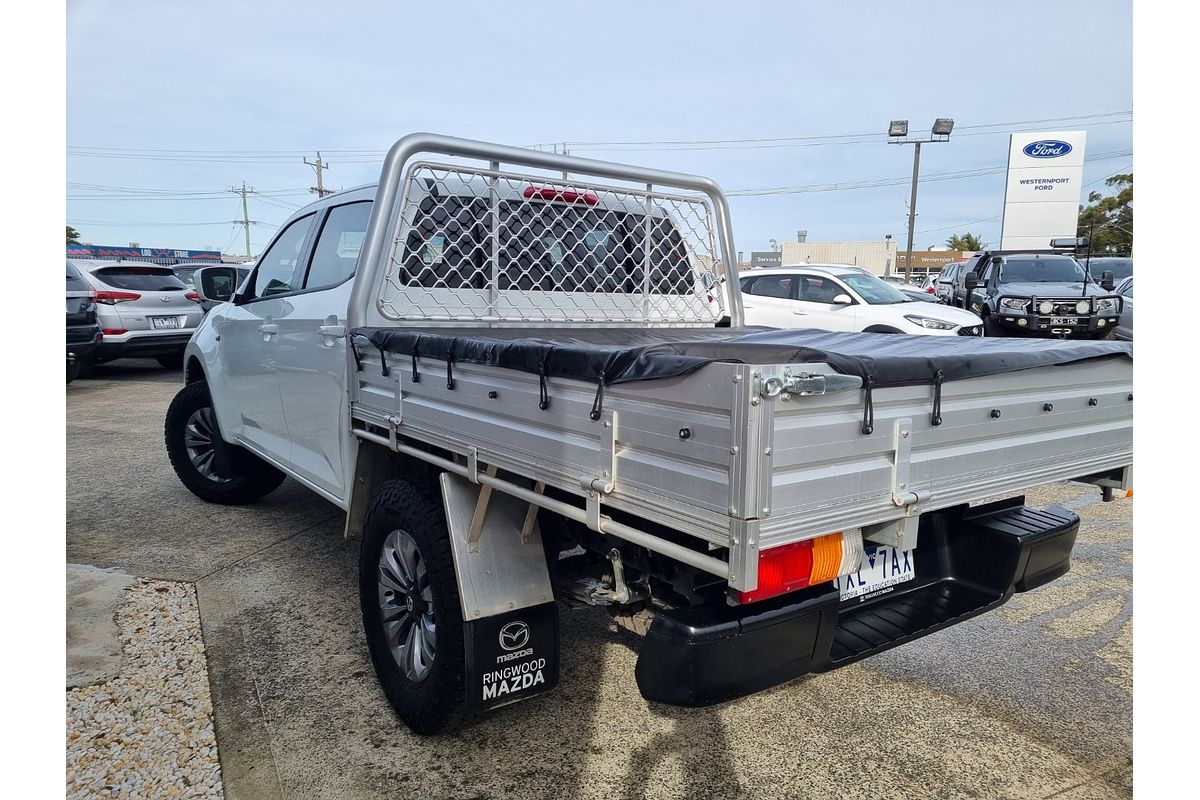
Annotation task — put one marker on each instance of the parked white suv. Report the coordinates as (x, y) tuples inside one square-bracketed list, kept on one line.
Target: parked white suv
[(845, 298)]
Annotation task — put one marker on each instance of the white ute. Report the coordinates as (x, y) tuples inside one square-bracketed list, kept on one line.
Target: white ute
[(510, 370)]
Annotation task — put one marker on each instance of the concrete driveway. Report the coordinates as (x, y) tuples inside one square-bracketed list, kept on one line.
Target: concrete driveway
[(1030, 701)]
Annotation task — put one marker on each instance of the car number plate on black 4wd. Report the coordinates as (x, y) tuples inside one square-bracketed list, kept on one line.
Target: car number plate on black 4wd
[(883, 567), (1064, 320), (164, 322)]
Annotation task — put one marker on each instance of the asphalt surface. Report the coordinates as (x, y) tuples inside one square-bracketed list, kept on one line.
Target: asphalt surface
[(1032, 700)]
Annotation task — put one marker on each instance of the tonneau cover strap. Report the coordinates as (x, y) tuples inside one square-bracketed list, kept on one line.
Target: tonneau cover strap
[(936, 418), (598, 403), (543, 391), (868, 423)]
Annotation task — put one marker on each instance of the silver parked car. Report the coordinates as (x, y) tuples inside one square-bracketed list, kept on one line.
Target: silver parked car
[(144, 311)]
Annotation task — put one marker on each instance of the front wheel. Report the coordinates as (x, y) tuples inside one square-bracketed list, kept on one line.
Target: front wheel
[(73, 368), (410, 608), (211, 468)]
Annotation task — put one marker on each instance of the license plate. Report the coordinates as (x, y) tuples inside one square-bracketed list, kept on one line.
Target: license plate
[(883, 567), (1064, 320), (164, 322)]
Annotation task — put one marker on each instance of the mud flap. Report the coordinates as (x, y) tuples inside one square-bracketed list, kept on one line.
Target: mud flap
[(509, 614), (511, 657)]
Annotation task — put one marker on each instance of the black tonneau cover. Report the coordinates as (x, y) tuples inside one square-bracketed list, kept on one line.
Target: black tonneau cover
[(608, 355)]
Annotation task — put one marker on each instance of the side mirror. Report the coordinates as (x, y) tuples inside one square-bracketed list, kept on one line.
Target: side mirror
[(970, 281), (1106, 281), (216, 284), (842, 300)]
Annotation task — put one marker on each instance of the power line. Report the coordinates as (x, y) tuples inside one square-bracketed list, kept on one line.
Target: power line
[(374, 156), (874, 183)]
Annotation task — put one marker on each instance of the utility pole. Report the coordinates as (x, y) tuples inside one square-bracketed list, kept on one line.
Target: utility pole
[(245, 221), (319, 166)]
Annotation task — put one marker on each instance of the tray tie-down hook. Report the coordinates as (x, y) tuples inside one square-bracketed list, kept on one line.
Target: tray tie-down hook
[(598, 403)]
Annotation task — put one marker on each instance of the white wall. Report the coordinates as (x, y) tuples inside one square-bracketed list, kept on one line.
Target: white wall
[(1041, 195), (879, 257)]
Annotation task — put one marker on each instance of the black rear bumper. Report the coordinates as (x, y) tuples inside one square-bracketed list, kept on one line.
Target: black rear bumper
[(967, 560)]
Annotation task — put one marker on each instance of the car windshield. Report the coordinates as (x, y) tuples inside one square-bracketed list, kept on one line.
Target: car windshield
[(1040, 269), (873, 290), (1121, 268)]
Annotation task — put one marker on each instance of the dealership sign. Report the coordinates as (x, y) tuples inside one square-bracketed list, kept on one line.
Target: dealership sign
[(1041, 195)]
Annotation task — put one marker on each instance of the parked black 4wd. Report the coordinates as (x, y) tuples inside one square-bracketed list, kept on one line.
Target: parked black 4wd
[(1037, 294)]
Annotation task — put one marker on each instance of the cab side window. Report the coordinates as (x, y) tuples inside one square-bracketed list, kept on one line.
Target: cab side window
[(987, 274), (336, 253), (279, 268)]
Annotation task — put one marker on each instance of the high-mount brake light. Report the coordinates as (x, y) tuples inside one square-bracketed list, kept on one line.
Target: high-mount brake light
[(566, 195), (193, 296), (797, 565), (111, 298)]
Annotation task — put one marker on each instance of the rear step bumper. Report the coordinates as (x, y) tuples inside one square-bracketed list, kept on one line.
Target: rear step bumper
[(967, 561)]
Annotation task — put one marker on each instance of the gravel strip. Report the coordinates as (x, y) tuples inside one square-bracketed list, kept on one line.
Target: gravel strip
[(148, 732)]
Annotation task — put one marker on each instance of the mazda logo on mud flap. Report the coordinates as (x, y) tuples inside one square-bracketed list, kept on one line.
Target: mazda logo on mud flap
[(514, 635)]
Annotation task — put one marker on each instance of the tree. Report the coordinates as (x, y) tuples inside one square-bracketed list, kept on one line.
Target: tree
[(72, 235), (967, 241), (1109, 220)]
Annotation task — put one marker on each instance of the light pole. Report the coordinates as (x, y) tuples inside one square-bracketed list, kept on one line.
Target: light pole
[(898, 134)]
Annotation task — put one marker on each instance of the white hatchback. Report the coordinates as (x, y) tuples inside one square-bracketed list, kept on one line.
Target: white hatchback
[(844, 298)]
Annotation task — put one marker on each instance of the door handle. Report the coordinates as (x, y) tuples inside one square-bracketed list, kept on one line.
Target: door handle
[(800, 313), (333, 331), (268, 329)]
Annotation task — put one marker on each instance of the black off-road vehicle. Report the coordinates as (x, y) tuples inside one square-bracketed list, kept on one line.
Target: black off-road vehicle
[(1037, 293)]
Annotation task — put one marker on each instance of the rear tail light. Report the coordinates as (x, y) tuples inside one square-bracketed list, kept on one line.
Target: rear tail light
[(566, 195), (111, 298), (113, 331), (193, 296), (930, 290), (795, 566)]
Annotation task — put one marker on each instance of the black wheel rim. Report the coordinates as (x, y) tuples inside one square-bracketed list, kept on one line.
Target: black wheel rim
[(199, 435), (406, 606)]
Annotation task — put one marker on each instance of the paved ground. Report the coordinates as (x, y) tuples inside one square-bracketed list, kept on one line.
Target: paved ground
[(1030, 701)]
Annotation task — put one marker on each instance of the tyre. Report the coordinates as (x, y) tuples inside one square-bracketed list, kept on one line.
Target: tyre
[(172, 362), (991, 327), (411, 613), (73, 367), (212, 469)]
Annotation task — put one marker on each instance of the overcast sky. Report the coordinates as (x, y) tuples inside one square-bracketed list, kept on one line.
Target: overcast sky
[(241, 90)]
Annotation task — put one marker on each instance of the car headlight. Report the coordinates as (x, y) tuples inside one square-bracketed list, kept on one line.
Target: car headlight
[(1083, 307), (930, 322), (1045, 307), (1014, 303), (1106, 305)]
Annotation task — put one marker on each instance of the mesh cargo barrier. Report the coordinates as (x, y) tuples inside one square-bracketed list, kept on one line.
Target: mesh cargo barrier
[(476, 245)]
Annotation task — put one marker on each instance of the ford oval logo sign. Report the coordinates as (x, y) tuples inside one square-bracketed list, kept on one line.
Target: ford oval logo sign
[(1046, 148)]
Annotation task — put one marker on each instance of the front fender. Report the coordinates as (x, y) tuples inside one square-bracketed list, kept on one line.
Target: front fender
[(202, 361)]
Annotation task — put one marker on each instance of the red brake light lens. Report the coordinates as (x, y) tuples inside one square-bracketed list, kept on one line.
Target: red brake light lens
[(111, 298), (930, 290), (780, 570), (113, 331), (566, 195), (812, 562), (193, 296)]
